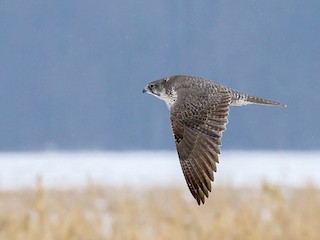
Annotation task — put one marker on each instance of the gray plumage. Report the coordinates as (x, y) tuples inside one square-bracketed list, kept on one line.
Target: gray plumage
[(199, 111)]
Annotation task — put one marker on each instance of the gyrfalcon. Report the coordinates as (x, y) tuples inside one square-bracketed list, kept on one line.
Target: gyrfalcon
[(199, 111)]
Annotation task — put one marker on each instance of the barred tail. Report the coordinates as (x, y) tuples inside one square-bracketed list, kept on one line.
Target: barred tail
[(256, 100), (239, 99)]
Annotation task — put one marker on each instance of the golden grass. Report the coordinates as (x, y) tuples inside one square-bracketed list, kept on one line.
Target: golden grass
[(95, 212)]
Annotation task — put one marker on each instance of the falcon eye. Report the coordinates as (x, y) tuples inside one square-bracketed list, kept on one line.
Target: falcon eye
[(151, 85)]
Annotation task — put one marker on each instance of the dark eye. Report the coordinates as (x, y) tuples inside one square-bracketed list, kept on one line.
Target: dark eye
[(151, 85)]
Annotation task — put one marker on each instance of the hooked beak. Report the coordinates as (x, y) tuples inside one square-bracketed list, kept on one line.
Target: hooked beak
[(145, 90)]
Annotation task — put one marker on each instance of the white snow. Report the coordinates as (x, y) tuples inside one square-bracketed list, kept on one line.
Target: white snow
[(69, 169)]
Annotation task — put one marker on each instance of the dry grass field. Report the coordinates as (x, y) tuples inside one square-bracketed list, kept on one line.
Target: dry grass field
[(95, 212)]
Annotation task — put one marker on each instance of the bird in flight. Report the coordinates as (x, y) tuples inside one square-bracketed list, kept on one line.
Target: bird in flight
[(199, 110)]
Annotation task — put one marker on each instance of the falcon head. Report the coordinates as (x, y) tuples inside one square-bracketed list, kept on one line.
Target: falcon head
[(163, 89)]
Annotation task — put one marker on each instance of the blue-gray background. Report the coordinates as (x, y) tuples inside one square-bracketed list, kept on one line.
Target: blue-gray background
[(72, 72)]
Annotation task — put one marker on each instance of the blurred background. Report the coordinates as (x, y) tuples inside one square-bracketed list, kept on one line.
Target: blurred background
[(85, 155), (72, 72)]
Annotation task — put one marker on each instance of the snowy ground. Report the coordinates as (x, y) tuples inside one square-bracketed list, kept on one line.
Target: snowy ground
[(65, 169)]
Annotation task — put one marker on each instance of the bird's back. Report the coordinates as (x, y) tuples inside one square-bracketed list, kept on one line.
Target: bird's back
[(200, 86)]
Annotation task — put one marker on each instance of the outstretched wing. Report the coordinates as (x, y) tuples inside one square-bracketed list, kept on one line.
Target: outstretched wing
[(197, 125)]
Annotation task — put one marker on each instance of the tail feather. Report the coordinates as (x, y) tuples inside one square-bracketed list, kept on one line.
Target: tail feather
[(256, 100), (239, 99)]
